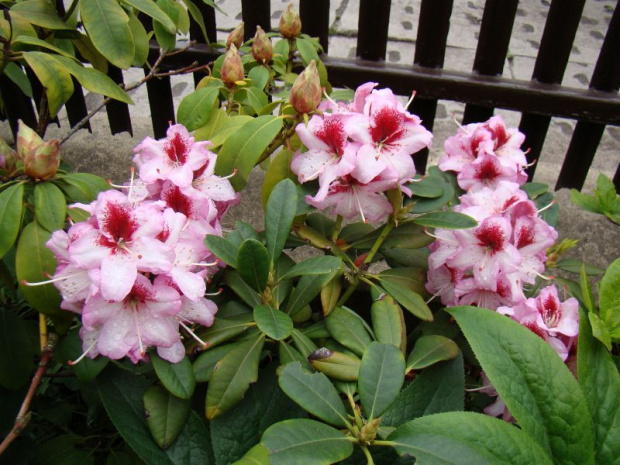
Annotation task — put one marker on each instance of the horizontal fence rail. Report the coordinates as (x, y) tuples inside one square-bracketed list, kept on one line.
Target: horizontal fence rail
[(482, 90)]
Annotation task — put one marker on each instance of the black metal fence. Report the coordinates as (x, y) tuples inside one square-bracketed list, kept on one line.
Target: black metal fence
[(482, 90)]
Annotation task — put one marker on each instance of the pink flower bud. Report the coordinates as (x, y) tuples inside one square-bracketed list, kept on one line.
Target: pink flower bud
[(232, 68), (8, 157), (262, 48), (42, 163), (290, 23), (306, 91), (236, 36)]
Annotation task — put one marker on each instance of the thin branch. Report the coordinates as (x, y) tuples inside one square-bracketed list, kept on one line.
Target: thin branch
[(24, 415)]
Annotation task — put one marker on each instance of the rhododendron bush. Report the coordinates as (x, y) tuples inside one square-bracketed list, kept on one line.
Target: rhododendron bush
[(379, 315)]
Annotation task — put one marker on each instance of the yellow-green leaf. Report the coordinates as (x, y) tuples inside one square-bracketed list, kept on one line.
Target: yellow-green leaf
[(50, 206), (40, 13), (53, 76)]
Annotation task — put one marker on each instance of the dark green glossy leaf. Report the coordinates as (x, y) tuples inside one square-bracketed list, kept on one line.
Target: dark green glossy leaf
[(305, 442), (466, 438), (234, 280), (314, 393), (177, 378), (446, 220), (82, 187), (222, 249), (534, 383), (61, 450), (407, 297), (574, 265), (303, 343), (306, 290), (388, 322), (337, 365), (50, 206), (253, 264), (381, 376), (11, 206), (206, 361), (279, 169), (233, 375), (71, 348), (289, 354), (15, 360), (600, 383), (279, 216), (166, 415), (19, 78), (274, 323), (439, 388), (314, 266), (224, 329), (348, 329), (429, 350), (412, 278), (193, 446)]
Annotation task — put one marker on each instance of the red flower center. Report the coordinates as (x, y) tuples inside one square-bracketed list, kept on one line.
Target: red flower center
[(177, 148), (386, 126)]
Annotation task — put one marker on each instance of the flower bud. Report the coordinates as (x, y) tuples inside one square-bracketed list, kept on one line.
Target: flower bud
[(236, 37), (8, 157), (27, 140), (262, 48), (306, 91), (290, 23), (232, 68), (43, 162)]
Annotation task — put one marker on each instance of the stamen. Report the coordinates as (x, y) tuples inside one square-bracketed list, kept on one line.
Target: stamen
[(411, 99), (551, 204), (212, 294), (131, 180), (328, 97), (359, 205), (193, 334), (478, 388), (201, 264), (49, 281), (135, 321), (81, 357), (231, 174)]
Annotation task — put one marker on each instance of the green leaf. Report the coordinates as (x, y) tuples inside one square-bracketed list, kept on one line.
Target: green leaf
[(82, 187), (253, 264), (19, 78), (279, 169), (150, 8), (348, 329), (88, 368), (177, 378), (429, 187), (29, 40), (217, 119), (534, 383), (33, 263), (466, 438), (313, 266), (440, 179), (228, 128), (600, 383), (446, 220), (95, 81), (234, 280), (107, 26), (535, 189), (260, 76), (61, 450), (314, 393), (599, 330), (587, 297), (11, 207), (166, 415), (274, 323), (307, 51), (122, 393), (336, 365), (257, 455), (239, 429), (609, 299), (550, 213), (244, 150), (306, 290), (289, 354), (222, 249), (388, 322), (411, 300), (429, 350), (193, 446), (233, 375), (279, 216), (255, 98), (15, 361), (412, 278), (206, 361), (305, 442), (198, 18), (53, 76), (50, 206), (40, 13), (574, 265), (224, 329), (405, 236), (381, 376), (140, 41), (303, 343), (196, 108), (437, 389)]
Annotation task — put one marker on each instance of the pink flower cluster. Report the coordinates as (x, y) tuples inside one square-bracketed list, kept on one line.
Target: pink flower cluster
[(489, 265), (136, 269), (358, 151)]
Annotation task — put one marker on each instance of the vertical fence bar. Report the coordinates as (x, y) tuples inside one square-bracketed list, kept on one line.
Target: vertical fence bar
[(430, 51), (586, 137), (497, 22), (372, 36), (315, 20), (16, 105), (255, 13), (617, 179), (118, 112), (76, 106), (195, 31), (161, 104), (553, 54)]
